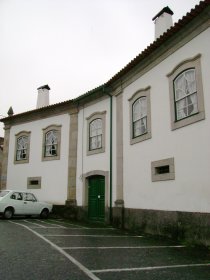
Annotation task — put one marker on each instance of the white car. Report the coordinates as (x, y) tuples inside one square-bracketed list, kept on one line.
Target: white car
[(22, 203)]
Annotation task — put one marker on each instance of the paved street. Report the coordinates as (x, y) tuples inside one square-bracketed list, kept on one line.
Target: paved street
[(35, 249)]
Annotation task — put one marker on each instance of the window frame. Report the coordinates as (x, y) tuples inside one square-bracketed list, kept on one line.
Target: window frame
[(163, 176), (34, 186), (191, 63), (90, 119), (136, 96), (46, 130), (18, 136)]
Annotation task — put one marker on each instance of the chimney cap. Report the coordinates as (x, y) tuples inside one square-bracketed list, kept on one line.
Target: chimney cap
[(164, 10), (44, 87)]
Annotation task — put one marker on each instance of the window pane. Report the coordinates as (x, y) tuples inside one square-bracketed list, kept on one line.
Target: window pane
[(22, 145), (140, 127), (51, 143), (95, 134)]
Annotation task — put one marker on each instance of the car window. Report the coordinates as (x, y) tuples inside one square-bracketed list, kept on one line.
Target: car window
[(17, 196), (3, 193), (29, 197)]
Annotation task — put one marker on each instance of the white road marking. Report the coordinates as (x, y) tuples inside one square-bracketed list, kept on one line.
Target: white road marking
[(61, 222), (54, 225), (123, 247), (91, 235), (34, 224), (150, 268), (69, 257)]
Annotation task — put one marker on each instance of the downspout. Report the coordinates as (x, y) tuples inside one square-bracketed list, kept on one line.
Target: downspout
[(110, 157)]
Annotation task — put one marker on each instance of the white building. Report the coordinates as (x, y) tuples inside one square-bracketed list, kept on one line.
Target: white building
[(134, 150)]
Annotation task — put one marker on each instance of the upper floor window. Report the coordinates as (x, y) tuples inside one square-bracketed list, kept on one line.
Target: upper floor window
[(140, 116), (96, 133), (186, 93), (51, 142), (22, 147), (95, 141)]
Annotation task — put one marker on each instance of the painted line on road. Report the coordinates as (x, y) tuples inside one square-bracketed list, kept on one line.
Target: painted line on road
[(91, 235), (149, 268), (124, 247), (69, 257), (26, 221), (51, 224), (61, 222)]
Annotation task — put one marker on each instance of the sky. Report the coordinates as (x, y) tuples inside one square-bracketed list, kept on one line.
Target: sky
[(71, 45)]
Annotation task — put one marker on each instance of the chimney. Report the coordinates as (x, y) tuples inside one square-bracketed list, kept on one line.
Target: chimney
[(43, 96), (163, 21)]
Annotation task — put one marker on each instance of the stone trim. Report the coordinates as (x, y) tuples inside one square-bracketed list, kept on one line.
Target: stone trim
[(164, 176), (138, 94), (72, 160), (119, 150), (92, 117), (46, 130), (3, 181), (31, 185), (17, 136), (194, 62)]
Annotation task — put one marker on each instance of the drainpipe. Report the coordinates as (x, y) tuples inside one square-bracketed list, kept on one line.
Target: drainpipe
[(110, 171)]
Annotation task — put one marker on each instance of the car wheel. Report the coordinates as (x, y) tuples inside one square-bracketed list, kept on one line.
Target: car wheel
[(8, 213), (44, 214)]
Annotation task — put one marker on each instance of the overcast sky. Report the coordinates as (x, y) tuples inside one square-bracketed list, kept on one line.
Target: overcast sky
[(71, 45)]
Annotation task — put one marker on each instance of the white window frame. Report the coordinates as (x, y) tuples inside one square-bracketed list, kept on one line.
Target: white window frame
[(186, 65), (47, 130), (22, 134), (90, 119), (142, 93)]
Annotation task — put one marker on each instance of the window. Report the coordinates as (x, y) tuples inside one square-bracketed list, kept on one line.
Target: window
[(140, 116), (22, 147), (34, 183), (163, 170), (186, 93), (96, 133), (51, 143)]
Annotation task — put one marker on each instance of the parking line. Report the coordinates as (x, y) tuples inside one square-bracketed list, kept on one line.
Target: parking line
[(91, 235), (69, 257), (149, 268), (34, 224), (124, 247), (55, 225), (61, 222)]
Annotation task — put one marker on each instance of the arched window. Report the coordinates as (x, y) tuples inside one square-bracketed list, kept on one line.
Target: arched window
[(95, 134), (139, 118), (51, 143), (22, 147), (185, 91)]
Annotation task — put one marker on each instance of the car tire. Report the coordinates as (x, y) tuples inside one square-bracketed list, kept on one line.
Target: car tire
[(8, 213), (44, 214)]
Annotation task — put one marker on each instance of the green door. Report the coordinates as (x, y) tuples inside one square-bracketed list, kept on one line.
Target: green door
[(96, 198)]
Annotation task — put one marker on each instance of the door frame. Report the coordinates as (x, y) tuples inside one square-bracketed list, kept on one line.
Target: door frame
[(85, 189)]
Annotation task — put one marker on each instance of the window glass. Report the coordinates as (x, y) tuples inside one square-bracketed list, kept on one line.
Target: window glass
[(140, 116), (95, 134), (51, 143), (185, 91), (22, 145)]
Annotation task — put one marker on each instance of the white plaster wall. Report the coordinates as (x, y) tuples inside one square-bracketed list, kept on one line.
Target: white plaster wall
[(190, 191), (87, 163), (54, 173)]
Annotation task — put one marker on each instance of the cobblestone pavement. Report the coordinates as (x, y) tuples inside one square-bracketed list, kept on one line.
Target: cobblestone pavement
[(35, 249)]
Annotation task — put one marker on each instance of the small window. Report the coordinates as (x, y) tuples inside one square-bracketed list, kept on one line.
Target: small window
[(34, 183), (163, 170), (186, 93), (140, 116), (29, 197), (51, 143), (22, 147), (96, 133)]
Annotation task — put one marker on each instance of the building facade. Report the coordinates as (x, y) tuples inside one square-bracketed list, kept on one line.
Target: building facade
[(133, 151)]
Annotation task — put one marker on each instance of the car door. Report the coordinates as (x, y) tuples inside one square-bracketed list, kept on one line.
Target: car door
[(16, 201), (31, 206)]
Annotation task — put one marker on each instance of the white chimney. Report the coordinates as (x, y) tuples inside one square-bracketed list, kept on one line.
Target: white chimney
[(43, 96), (163, 21)]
